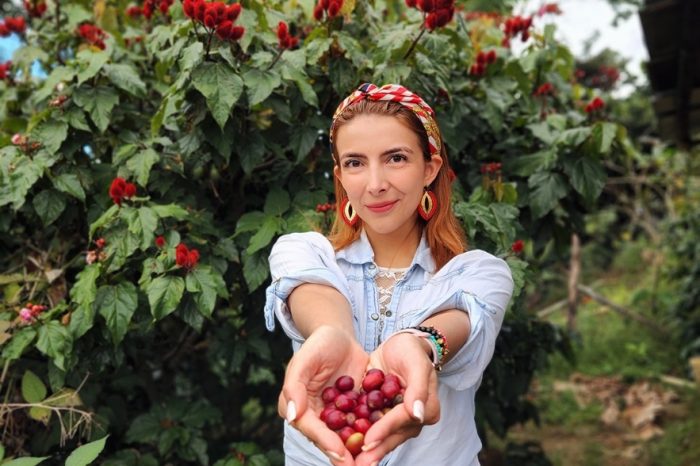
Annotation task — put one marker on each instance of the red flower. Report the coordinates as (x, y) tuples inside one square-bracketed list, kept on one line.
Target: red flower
[(595, 104), (134, 11), (318, 12), (185, 257), (116, 190), (411, 3), (217, 17), (491, 56), (4, 30), (35, 9), (233, 12), (92, 35), (282, 30), (100, 243), (17, 24), (517, 246), (491, 167), (224, 29), (549, 8), (4, 73), (160, 241), (130, 190), (544, 89)]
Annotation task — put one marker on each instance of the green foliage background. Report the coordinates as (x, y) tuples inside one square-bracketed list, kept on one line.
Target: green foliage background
[(228, 146)]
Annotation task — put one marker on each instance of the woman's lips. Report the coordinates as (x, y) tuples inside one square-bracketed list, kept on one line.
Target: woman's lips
[(382, 207)]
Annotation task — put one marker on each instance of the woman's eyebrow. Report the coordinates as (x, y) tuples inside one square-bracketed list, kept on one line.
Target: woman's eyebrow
[(393, 150)]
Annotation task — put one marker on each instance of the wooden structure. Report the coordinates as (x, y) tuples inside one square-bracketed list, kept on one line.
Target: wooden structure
[(672, 35)]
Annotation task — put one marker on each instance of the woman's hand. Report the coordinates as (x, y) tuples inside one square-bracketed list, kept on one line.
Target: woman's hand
[(404, 355), (326, 354)]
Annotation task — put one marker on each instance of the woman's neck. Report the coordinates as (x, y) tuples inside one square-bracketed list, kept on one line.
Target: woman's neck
[(395, 250)]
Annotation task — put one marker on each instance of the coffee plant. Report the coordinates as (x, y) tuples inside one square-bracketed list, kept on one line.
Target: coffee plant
[(150, 154)]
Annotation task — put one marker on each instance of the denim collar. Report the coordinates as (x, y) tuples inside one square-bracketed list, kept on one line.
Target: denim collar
[(360, 252)]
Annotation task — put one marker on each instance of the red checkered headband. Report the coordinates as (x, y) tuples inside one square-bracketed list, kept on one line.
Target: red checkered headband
[(395, 93)]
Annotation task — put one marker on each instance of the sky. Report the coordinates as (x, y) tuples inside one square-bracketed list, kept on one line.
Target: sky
[(579, 21)]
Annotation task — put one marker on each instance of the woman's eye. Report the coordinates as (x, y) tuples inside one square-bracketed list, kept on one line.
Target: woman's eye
[(398, 158), (351, 163)]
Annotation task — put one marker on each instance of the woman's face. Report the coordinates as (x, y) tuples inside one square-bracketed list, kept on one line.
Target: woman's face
[(383, 171)]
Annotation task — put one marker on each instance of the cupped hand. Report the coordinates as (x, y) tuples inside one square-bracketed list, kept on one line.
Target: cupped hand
[(405, 356), (326, 354)]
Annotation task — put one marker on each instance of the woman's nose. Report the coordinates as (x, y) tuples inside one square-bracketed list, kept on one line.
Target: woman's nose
[(377, 182)]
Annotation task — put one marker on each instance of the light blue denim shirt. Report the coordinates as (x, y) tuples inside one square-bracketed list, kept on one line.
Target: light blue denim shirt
[(475, 282)]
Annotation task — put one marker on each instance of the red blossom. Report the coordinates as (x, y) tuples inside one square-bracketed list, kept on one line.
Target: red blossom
[(517, 246), (4, 30), (595, 105), (100, 243), (217, 17), (134, 11), (330, 7), (92, 34), (545, 89), (185, 257), (130, 190), (5, 72), (160, 241), (116, 190), (549, 8), (34, 8), (492, 167)]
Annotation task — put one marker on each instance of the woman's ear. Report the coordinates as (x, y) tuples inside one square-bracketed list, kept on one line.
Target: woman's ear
[(432, 167), (336, 172)]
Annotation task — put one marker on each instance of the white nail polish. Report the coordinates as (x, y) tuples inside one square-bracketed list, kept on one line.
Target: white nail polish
[(371, 445), (291, 411), (334, 456), (418, 410)]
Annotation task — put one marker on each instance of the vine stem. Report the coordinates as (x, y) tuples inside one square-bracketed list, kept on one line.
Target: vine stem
[(277, 58), (415, 42), (211, 35)]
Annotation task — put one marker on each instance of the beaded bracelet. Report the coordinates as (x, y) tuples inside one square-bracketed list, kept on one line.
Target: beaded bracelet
[(438, 342)]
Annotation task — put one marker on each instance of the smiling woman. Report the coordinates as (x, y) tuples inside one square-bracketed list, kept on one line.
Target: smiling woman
[(388, 290)]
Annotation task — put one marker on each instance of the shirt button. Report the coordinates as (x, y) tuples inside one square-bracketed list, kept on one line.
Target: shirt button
[(375, 316), (388, 313), (372, 266)]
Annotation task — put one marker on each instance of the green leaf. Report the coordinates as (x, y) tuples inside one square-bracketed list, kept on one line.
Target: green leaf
[(517, 267), (117, 305), (98, 102), (604, 134), (33, 389), (260, 84), (15, 186), (55, 342), (40, 414), (302, 141), (87, 453), (69, 183), (27, 461), (526, 165), (82, 319), (250, 221), (170, 210), (164, 294), (126, 78), (200, 282), (546, 190), (149, 223), (91, 64), (51, 134), (276, 202), (574, 136), (57, 75), (255, 270), (49, 204), (542, 131), (221, 86), (109, 215), (588, 178), (192, 56), (141, 164), (264, 235), (19, 342)]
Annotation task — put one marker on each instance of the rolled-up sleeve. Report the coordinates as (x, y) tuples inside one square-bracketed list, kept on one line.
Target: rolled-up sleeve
[(295, 259), (481, 285)]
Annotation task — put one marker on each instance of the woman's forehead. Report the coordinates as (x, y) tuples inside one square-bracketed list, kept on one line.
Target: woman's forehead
[(375, 133)]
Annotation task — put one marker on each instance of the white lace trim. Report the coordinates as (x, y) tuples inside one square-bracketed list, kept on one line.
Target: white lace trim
[(386, 279)]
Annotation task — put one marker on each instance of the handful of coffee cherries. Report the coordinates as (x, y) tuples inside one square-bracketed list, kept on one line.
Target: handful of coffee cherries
[(352, 412)]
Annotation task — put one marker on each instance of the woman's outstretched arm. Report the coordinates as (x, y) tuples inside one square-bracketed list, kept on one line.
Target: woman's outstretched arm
[(313, 305)]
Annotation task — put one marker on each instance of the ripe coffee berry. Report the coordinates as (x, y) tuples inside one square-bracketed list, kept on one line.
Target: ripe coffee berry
[(351, 413)]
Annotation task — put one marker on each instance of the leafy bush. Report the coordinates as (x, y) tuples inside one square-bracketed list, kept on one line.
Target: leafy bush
[(144, 178)]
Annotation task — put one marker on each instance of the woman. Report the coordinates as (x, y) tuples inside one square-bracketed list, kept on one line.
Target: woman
[(395, 260)]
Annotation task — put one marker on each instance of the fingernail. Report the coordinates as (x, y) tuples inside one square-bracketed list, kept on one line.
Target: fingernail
[(370, 446), (291, 411), (334, 456), (418, 410)]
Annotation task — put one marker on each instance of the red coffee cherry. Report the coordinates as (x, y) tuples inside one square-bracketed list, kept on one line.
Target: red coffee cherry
[(345, 383), (329, 394), (373, 380)]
